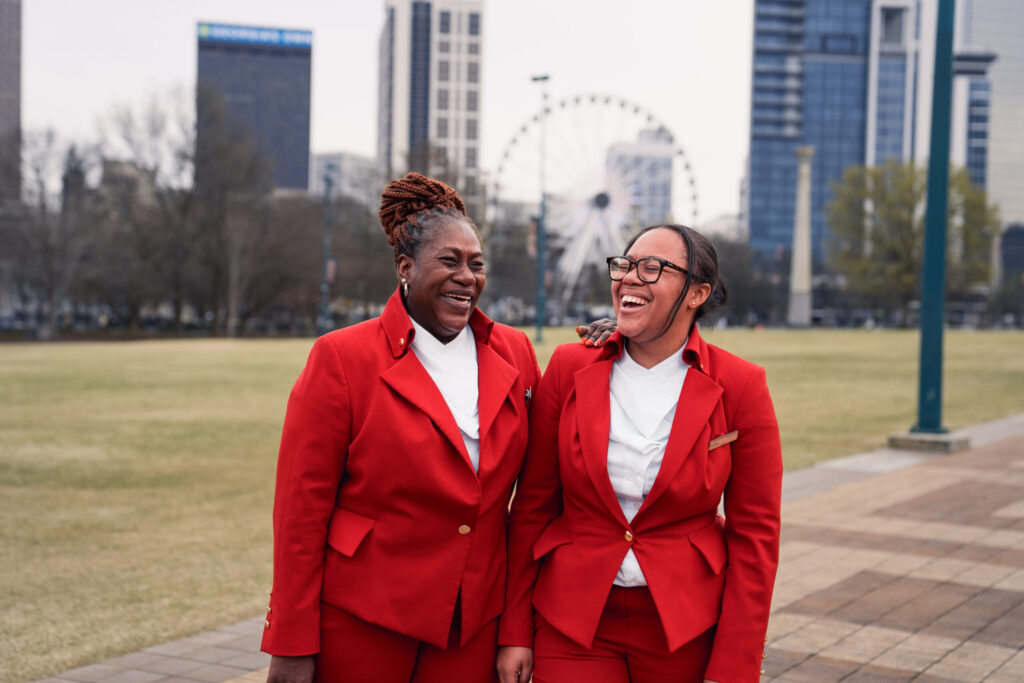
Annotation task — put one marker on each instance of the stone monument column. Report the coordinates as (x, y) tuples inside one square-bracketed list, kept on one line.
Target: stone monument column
[(799, 313)]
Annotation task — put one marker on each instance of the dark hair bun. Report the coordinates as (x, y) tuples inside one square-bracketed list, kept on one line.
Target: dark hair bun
[(405, 198)]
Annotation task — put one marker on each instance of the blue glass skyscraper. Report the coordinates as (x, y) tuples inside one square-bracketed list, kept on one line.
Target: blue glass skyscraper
[(810, 86), (853, 80), (263, 76)]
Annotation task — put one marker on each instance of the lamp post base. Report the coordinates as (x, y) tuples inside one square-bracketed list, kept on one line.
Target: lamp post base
[(925, 441)]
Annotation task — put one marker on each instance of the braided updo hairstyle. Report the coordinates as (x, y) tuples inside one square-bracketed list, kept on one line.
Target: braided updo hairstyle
[(410, 207)]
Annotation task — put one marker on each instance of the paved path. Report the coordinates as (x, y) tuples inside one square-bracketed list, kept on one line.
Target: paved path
[(896, 566), (915, 574)]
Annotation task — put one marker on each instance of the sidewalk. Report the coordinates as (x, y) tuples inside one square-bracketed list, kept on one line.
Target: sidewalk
[(896, 566), (912, 574)]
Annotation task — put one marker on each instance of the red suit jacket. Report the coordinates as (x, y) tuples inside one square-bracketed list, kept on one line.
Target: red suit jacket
[(568, 535), (377, 509)]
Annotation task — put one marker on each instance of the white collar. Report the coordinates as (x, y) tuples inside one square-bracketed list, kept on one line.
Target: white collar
[(424, 343), (670, 366), (644, 397)]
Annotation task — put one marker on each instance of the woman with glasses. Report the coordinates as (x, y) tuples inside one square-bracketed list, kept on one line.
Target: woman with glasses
[(403, 438), (621, 568)]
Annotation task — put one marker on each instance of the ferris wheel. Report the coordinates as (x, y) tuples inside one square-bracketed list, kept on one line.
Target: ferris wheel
[(611, 167)]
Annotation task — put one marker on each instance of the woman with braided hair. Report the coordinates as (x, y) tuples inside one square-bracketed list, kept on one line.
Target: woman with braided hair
[(402, 441), (621, 568)]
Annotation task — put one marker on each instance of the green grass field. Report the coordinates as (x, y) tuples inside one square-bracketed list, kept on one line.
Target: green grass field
[(137, 477)]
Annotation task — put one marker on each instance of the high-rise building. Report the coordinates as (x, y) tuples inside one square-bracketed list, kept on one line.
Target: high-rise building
[(645, 167), (810, 77), (352, 175), (10, 100), (263, 76), (996, 28), (431, 56), (853, 79), (972, 116)]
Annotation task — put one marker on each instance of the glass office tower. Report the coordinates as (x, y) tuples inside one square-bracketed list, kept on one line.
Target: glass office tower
[(853, 79), (263, 75), (810, 82)]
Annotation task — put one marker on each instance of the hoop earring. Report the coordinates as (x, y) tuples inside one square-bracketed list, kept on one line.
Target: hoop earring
[(405, 288)]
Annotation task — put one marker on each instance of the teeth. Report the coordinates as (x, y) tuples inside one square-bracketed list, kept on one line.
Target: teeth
[(633, 300), (458, 297)]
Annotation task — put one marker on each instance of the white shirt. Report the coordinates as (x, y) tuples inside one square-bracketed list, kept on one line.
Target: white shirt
[(643, 405), (453, 368)]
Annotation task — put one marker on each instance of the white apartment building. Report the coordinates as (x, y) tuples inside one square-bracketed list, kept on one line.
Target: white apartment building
[(430, 82)]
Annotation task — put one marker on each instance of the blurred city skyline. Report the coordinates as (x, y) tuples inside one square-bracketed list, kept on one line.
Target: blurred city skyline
[(687, 62)]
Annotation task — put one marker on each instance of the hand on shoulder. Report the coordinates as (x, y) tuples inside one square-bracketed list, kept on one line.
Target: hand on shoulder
[(597, 332)]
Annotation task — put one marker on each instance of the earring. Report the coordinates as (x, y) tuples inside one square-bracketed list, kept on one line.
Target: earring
[(405, 288)]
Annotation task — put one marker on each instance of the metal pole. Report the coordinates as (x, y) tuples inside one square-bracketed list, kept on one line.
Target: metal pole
[(325, 287), (542, 246), (933, 277)]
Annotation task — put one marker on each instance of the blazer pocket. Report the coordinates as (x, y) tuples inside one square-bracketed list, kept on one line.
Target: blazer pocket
[(347, 530), (556, 534), (710, 542)]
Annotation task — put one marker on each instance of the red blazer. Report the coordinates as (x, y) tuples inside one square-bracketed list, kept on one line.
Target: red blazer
[(377, 509), (568, 534)]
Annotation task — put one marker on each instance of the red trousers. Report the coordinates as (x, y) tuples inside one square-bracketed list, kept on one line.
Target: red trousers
[(630, 647), (356, 651)]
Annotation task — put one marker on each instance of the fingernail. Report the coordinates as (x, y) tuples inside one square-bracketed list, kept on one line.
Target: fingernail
[(597, 343), (589, 343)]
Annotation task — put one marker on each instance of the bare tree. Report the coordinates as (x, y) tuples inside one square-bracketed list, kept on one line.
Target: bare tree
[(230, 173), (158, 141), (53, 233), (199, 233)]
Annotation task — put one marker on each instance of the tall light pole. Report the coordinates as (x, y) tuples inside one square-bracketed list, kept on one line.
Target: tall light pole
[(541, 228), (933, 277), (325, 285)]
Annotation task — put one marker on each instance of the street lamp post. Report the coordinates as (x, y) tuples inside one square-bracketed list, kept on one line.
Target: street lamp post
[(325, 285), (541, 227), (933, 277)]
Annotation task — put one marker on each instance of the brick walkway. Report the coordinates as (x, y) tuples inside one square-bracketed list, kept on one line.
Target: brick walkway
[(912, 575), (896, 566)]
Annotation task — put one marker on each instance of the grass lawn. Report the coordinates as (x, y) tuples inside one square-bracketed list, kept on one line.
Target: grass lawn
[(137, 477)]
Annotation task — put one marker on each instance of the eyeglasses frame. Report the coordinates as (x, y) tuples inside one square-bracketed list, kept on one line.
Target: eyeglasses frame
[(633, 263)]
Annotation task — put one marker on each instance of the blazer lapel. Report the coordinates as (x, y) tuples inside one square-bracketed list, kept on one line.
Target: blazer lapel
[(697, 400), (495, 381), (593, 420), (411, 380)]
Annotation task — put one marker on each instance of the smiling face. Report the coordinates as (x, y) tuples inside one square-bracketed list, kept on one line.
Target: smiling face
[(643, 309), (445, 278)]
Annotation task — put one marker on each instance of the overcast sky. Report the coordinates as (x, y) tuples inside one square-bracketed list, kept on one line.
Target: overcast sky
[(686, 61)]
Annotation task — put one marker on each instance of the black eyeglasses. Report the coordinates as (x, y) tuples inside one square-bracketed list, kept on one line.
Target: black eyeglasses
[(648, 268)]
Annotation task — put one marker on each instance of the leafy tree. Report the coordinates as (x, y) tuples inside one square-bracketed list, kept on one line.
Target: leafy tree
[(876, 221)]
